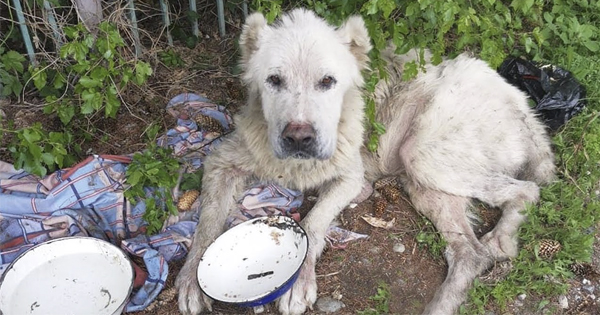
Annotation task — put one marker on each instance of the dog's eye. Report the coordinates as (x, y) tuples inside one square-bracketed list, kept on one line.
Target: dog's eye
[(327, 81), (274, 80)]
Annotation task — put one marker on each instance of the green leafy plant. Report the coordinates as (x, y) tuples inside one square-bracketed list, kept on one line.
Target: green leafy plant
[(428, 237), (99, 69), (37, 151), (381, 300), (151, 177), (87, 77), (11, 68), (171, 58)]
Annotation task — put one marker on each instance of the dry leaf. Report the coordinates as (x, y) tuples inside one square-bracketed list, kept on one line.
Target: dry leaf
[(379, 223)]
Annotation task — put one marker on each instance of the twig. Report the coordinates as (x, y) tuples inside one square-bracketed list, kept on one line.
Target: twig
[(328, 275)]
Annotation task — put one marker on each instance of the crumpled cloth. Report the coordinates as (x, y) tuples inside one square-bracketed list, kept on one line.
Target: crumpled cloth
[(87, 200)]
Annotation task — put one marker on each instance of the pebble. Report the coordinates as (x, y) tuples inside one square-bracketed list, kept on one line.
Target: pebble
[(586, 282), (329, 305), (375, 250), (522, 296), (589, 288), (518, 303), (563, 302), (259, 309), (399, 248)]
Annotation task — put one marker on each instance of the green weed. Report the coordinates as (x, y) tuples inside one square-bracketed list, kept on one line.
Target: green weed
[(381, 300), (151, 176)]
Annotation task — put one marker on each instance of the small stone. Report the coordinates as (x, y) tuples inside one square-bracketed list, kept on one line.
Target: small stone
[(589, 288), (522, 296), (259, 309), (399, 248), (586, 282), (375, 250), (563, 302), (518, 303), (329, 305)]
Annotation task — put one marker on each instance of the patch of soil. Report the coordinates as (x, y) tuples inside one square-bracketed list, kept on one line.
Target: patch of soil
[(353, 274)]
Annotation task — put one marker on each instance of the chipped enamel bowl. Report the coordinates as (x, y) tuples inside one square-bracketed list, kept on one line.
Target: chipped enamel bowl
[(72, 275), (254, 262)]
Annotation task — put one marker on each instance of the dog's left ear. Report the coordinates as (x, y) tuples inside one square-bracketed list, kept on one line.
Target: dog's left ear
[(255, 23), (355, 34)]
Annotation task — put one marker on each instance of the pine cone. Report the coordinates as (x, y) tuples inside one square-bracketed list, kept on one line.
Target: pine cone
[(581, 269), (391, 193), (548, 248), (187, 199), (379, 205), (208, 123), (386, 181)]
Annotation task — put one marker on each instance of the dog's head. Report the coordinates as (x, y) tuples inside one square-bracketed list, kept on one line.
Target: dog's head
[(302, 69)]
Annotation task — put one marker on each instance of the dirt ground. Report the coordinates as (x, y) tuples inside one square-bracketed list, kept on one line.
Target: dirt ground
[(351, 275)]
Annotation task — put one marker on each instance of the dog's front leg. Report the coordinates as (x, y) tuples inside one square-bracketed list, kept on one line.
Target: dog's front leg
[(221, 184), (333, 197)]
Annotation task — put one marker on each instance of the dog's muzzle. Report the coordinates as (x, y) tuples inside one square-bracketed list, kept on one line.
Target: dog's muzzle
[(299, 140)]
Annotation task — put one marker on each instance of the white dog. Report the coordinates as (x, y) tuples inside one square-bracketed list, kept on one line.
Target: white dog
[(456, 132)]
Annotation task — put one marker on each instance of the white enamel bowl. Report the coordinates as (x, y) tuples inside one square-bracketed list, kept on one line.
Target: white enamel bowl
[(254, 262), (72, 275)]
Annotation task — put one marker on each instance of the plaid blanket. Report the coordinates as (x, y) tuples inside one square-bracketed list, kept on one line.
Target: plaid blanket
[(87, 200)]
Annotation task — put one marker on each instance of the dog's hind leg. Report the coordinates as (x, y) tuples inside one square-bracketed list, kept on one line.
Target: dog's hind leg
[(465, 255), (512, 196)]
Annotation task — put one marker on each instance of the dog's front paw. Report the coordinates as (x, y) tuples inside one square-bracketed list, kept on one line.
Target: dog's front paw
[(303, 293), (191, 299)]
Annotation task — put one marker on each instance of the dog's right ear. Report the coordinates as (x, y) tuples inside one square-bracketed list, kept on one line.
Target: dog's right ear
[(355, 34), (255, 23)]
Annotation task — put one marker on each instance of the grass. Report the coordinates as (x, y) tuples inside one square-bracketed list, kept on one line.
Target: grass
[(568, 212)]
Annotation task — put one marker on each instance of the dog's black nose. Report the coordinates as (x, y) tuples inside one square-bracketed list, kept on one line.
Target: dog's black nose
[(298, 136)]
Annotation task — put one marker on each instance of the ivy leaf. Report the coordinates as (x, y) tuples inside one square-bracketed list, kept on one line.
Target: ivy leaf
[(11, 84), (66, 113), (112, 102), (13, 60), (31, 135), (88, 82), (142, 72), (48, 158), (39, 78)]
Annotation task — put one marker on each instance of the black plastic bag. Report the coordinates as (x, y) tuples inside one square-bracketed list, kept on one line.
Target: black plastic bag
[(557, 94)]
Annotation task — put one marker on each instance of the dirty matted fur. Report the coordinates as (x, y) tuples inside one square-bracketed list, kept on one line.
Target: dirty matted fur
[(455, 133)]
